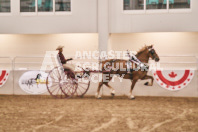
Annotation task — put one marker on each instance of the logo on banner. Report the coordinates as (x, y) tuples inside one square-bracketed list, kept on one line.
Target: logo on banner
[(173, 79), (3, 77), (34, 82)]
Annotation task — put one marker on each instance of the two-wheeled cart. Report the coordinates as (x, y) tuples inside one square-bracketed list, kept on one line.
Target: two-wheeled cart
[(64, 83)]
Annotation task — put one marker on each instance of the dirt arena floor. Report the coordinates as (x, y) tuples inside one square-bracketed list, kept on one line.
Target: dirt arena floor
[(144, 114)]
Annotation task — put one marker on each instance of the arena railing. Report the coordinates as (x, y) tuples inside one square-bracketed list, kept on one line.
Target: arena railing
[(179, 60), (6, 62), (35, 62)]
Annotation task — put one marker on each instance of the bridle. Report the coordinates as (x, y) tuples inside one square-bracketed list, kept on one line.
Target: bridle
[(135, 60), (152, 52)]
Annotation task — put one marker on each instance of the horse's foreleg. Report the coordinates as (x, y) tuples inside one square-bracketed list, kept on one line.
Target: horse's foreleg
[(131, 96), (147, 83), (98, 90)]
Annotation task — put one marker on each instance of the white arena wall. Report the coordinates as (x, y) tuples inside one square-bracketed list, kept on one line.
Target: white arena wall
[(37, 44), (20, 53), (165, 43), (176, 44)]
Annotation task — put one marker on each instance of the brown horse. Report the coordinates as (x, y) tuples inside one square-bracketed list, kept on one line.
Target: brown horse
[(134, 74)]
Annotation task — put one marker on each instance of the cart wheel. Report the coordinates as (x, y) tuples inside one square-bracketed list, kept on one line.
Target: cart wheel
[(70, 86), (59, 84), (83, 83)]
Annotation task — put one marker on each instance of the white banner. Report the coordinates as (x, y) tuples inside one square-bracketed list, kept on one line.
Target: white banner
[(34, 82)]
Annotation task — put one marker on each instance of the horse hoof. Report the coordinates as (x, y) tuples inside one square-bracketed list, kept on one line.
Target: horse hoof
[(132, 98), (147, 83), (113, 94), (99, 98)]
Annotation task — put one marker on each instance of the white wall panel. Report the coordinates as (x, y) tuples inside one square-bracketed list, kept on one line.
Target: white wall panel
[(121, 22), (37, 45), (165, 43), (83, 19)]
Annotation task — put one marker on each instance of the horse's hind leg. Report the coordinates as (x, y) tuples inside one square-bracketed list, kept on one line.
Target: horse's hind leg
[(112, 89), (98, 90), (131, 96), (106, 83)]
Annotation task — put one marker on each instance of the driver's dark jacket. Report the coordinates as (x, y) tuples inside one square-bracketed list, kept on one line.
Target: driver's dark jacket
[(62, 58)]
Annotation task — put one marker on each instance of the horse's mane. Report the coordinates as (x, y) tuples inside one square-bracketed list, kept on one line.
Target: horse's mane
[(142, 50)]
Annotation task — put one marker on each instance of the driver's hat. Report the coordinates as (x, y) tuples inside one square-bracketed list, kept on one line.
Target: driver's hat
[(59, 47)]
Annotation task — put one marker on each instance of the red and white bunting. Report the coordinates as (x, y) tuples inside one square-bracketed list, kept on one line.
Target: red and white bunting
[(4, 74), (173, 79)]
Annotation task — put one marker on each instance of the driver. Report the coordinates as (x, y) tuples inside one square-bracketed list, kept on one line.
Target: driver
[(63, 60)]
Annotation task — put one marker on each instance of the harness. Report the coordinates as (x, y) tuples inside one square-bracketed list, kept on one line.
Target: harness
[(135, 60)]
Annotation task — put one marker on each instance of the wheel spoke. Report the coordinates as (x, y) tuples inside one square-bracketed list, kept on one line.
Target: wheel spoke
[(82, 87), (62, 84), (54, 79)]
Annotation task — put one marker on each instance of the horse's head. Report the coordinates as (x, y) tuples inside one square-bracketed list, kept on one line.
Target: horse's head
[(152, 53)]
